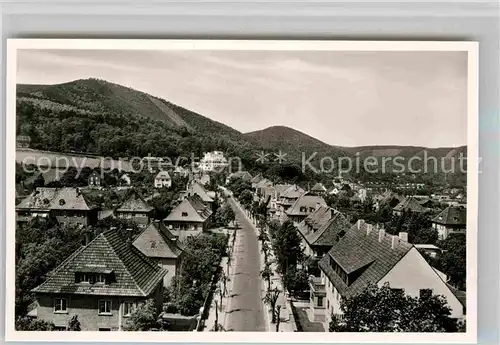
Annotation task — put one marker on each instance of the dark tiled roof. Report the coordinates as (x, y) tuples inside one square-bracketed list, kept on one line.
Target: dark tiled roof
[(256, 178), (135, 274), (157, 241), (358, 250), (318, 187), (135, 204), (452, 215), (198, 189), (193, 207), (307, 201), (66, 198), (410, 204), (328, 234)]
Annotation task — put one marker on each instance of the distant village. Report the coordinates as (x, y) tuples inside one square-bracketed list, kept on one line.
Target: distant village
[(137, 240)]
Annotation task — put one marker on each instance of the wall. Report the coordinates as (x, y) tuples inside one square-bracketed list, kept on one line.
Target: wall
[(332, 302), (86, 307), (172, 267), (413, 273)]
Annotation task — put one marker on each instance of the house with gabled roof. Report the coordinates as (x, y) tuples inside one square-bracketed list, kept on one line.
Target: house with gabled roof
[(410, 204), (189, 218), (102, 282), (451, 220), (304, 206), (68, 205), (195, 188), (321, 229), (163, 180), (136, 210), (318, 189), (243, 175), (94, 179), (256, 179), (162, 247), (286, 199), (367, 255)]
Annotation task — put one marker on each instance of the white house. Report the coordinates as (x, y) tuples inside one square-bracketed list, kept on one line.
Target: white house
[(213, 161), (452, 219), (367, 255), (162, 179)]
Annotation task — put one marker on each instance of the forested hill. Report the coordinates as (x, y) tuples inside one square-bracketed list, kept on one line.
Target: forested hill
[(96, 116), (288, 139)]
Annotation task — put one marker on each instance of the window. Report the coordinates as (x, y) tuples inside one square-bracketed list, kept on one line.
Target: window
[(60, 305), (327, 304), (184, 214), (60, 328), (425, 293), (104, 329), (320, 301), (101, 278), (104, 307), (128, 308)]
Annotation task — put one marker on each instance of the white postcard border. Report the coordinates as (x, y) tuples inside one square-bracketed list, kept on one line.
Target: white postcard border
[(13, 45)]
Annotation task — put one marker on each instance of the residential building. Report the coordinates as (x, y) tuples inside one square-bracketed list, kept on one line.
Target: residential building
[(321, 229), (452, 219), (190, 218), (195, 188), (304, 206), (94, 179), (125, 180), (429, 249), (102, 282), (367, 255), (135, 209), (23, 141), (162, 179), (256, 179), (318, 189), (213, 161), (162, 247), (286, 199), (68, 205), (410, 204), (203, 179), (261, 185), (243, 175), (180, 171)]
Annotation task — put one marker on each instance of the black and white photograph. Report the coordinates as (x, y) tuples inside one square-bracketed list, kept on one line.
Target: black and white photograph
[(321, 187)]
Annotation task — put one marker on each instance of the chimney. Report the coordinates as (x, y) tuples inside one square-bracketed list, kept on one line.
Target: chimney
[(381, 234), (360, 223), (403, 236), (129, 236), (395, 241), (369, 229)]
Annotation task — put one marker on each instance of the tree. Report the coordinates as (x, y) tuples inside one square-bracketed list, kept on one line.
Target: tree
[(224, 215), (26, 323), (246, 198), (143, 318), (267, 273), (74, 324), (271, 298), (386, 310), (453, 260)]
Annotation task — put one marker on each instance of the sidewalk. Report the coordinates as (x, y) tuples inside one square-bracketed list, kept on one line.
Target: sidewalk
[(227, 267), (287, 323)]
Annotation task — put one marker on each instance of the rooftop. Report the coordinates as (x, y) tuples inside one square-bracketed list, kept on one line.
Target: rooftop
[(452, 215), (365, 255), (134, 274)]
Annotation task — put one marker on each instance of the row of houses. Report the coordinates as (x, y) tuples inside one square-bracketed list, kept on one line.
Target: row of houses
[(350, 257), (105, 280)]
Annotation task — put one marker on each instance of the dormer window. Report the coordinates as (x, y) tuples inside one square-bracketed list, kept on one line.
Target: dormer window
[(62, 202), (96, 276), (184, 214)]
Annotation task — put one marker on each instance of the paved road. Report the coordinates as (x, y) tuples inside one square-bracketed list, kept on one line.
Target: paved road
[(245, 311)]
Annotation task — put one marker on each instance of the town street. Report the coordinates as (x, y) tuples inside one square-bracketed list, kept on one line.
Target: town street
[(245, 308)]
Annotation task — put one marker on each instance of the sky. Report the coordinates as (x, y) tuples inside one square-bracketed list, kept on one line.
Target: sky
[(341, 98)]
